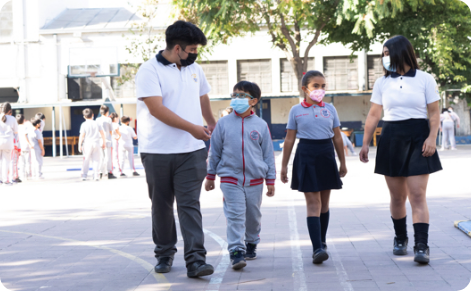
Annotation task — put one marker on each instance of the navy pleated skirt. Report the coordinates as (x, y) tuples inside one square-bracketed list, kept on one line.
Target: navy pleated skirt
[(399, 152), (314, 167)]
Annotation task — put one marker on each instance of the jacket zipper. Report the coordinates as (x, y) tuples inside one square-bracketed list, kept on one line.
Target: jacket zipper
[(243, 157)]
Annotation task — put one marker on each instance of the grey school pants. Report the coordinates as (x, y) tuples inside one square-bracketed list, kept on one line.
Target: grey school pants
[(242, 210), (180, 177)]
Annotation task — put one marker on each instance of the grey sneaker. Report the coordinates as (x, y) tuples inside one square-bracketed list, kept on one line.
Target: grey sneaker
[(421, 253), (400, 246)]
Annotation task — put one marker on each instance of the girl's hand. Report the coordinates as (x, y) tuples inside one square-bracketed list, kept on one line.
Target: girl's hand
[(284, 175), (343, 170), (429, 147), (365, 149), (209, 185), (271, 190)]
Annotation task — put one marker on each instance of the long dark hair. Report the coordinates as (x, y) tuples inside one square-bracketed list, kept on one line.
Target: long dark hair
[(401, 52), (5, 108)]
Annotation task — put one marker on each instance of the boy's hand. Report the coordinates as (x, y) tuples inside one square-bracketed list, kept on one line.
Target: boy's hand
[(103, 146), (209, 185), (80, 148), (284, 175), (271, 190), (42, 153)]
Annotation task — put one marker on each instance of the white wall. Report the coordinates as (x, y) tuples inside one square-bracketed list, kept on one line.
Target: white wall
[(47, 111)]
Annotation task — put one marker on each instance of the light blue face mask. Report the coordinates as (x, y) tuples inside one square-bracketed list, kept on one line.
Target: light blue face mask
[(240, 105), (387, 64)]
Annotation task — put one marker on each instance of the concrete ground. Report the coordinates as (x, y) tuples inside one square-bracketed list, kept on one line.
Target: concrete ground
[(63, 234)]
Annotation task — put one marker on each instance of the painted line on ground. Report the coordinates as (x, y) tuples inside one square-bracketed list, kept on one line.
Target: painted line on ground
[(341, 273), (147, 266), (299, 278)]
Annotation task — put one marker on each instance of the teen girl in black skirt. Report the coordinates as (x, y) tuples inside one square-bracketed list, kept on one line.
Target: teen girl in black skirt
[(315, 170), (406, 152)]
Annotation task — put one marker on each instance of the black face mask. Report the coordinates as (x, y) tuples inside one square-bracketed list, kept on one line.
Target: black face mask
[(189, 60)]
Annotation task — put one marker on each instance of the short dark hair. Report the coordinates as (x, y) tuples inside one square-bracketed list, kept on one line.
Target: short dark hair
[(87, 113), (444, 110), (113, 115), (309, 75), (125, 119), (20, 118), (104, 109), (35, 121), (40, 116), (184, 33), (250, 88), (400, 51)]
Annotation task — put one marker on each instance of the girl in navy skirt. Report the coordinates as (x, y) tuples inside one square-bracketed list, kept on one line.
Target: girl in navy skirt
[(315, 170), (406, 153)]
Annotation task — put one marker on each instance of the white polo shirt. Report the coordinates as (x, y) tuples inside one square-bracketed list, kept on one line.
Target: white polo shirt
[(92, 129), (405, 97), (127, 135), (180, 91), (107, 126)]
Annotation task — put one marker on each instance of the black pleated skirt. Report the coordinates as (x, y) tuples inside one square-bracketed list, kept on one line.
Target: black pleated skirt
[(314, 167), (399, 152)]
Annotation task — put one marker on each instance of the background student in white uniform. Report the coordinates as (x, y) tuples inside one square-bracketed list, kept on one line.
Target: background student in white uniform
[(406, 152), (448, 119), (6, 147), (11, 121), (91, 144), (115, 136), (37, 153), (24, 162), (106, 162), (126, 147)]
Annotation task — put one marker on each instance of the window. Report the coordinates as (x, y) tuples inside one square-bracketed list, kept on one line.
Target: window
[(289, 82), (217, 76), (375, 70), (6, 22), (340, 73), (257, 71)]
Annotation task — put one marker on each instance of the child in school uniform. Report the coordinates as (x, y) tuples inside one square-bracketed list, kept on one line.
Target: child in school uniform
[(11, 121), (315, 170), (37, 153), (241, 153), (91, 143), (115, 136), (25, 146), (106, 162), (126, 147), (6, 147)]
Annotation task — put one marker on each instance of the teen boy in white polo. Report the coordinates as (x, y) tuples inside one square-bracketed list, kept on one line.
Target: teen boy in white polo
[(172, 101)]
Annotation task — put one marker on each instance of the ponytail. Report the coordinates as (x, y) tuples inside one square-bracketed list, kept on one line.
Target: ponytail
[(4, 109)]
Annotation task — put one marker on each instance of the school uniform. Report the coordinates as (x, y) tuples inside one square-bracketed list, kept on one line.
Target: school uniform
[(15, 153), (448, 129), (35, 137), (405, 128), (126, 147), (115, 147), (241, 153), (314, 167), (6, 147), (25, 157), (347, 143), (92, 150), (106, 161)]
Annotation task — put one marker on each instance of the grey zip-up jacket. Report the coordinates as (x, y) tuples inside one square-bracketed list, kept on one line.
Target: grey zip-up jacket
[(241, 151)]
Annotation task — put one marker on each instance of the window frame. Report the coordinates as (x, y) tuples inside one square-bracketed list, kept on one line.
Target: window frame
[(265, 87)]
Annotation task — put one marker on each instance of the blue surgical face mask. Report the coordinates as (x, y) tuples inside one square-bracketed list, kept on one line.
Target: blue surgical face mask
[(387, 64), (240, 105)]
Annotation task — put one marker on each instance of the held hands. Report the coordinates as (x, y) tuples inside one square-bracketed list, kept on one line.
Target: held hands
[(343, 170), (284, 175), (209, 185), (271, 190), (200, 132), (364, 154), (429, 147)]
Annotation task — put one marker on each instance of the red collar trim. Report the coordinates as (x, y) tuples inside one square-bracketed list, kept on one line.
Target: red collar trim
[(251, 113), (307, 105)]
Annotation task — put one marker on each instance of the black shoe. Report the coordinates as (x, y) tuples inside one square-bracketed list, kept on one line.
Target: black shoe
[(251, 253), (101, 175), (17, 180), (400, 246), (319, 256), (237, 259), (111, 176), (135, 174), (122, 175), (324, 246), (198, 269), (421, 253), (164, 265)]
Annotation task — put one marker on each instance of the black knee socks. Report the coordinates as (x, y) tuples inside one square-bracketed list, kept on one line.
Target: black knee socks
[(400, 227), (421, 233), (314, 227), (324, 225)]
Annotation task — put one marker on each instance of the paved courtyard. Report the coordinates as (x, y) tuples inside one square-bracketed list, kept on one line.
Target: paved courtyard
[(61, 234)]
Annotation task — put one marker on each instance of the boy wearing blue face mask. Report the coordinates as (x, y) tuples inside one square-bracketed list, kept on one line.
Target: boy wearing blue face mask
[(242, 155)]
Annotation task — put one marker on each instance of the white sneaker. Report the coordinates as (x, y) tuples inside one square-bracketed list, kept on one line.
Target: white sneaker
[(7, 184), (442, 149), (454, 149)]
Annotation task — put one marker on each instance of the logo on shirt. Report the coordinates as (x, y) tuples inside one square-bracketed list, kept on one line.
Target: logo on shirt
[(325, 113), (254, 135), (194, 77)]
